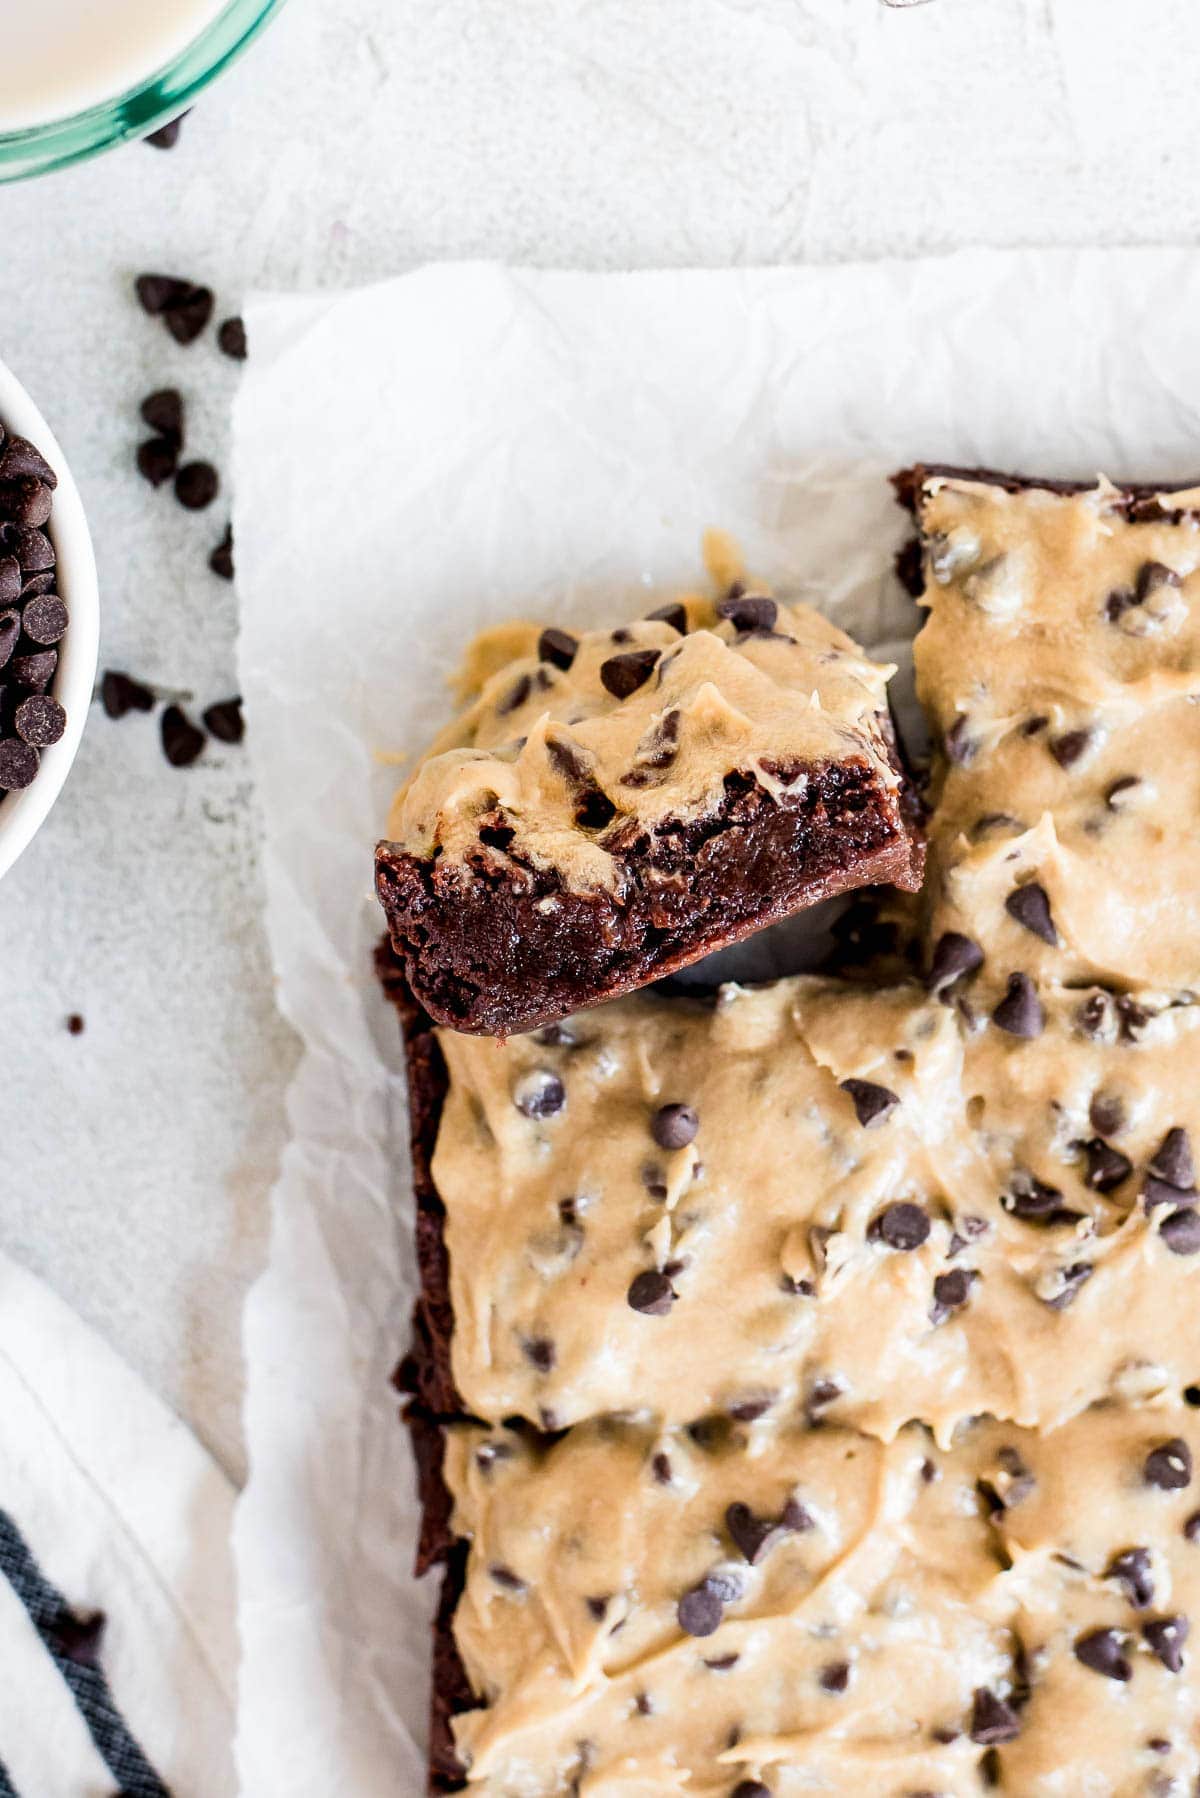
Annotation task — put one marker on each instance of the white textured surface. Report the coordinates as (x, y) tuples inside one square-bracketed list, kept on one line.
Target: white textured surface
[(360, 137)]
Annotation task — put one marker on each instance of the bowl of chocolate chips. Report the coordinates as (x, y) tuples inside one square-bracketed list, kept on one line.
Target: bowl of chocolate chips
[(49, 619)]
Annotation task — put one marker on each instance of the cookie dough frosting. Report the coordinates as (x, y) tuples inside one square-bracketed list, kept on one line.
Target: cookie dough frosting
[(1060, 668)]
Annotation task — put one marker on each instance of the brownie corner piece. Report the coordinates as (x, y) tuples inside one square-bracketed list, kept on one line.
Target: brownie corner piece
[(611, 808)]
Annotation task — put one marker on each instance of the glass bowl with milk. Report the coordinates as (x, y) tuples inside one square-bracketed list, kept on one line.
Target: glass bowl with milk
[(79, 75)]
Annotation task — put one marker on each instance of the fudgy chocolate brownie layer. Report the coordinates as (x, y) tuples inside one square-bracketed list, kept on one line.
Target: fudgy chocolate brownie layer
[(491, 956)]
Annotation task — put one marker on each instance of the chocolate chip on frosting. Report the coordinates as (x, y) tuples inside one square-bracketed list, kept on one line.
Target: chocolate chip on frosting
[(750, 1788), (1151, 577), (1033, 1200), (872, 1103), (651, 1293), (749, 611), (1062, 1286), (1104, 1651), (701, 1609), (959, 744), (1030, 906), (951, 1292), (674, 614), (954, 956), (1106, 1113), (1181, 1232), (1172, 1160), (992, 1720), (1131, 1568), (557, 647), (1169, 1465), (623, 674), (902, 1225), (1106, 1166), (1020, 1011), (1071, 747), (1118, 791), (753, 1535), (539, 1094), (1165, 1637), (540, 1353), (674, 1126)]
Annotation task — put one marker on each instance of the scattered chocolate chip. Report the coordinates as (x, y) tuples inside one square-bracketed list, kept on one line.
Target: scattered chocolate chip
[(221, 559), (673, 614), (45, 619), (1106, 1166), (951, 1291), (834, 1676), (40, 720), (1068, 749), (187, 314), (18, 764), (1172, 1160), (75, 1024), (902, 1225), (1020, 1011), (163, 412), (1168, 1466), (1131, 1568), (167, 136), (624, 674), (1165, 1637), (231, 338), (120, 693), (539, 1094), (1103, 1651), (224, 720), (1181, 1232), (674, 1126), (1151, 577), (196, 485), (700, 1611), (557, 647), (1116, 793), (1106, 1114), (651, 1293), (157, 459), (749, 611), (992, 1720), (872, 1103), (77, 1639), (960, 746), (156, 292), (181, 741), (1030, 906), (35, 671)]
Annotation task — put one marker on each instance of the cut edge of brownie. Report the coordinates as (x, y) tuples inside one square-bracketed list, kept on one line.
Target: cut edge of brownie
[(483, 957)]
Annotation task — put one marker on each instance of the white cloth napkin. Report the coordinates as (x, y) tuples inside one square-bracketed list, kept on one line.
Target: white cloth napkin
[(421, 458), (117, 1632)]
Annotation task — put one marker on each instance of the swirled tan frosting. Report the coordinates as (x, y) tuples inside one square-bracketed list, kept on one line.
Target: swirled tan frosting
[(578, 769)]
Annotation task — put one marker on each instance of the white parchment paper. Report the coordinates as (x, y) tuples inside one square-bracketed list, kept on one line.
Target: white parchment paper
[(455, 447)]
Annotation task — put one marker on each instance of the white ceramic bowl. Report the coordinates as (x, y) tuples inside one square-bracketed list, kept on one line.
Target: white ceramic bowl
[(22, 813)]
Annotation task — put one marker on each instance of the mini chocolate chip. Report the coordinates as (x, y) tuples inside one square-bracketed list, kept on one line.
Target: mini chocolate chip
[(557, 647), (661, 1466), (40, 720), (834, 1676), (231, 338), (959, 745), (1066, 1285), (872, 1103), (181, 741), (1096, 1017), (951, 1291), (901, 1226), (18, 764), (75, 1024), (1191, 1527), (1181, 1232), (1030, 906), (651, 1293), (624, 674), (1172, 1160), (1033, 726), (119, 693), (167, 136), (224, 720), (196, 485), (1169, 1465), (1165, 1636), (1106, 1166), (187, 316), (1115, 793), (45, 619), (644, 1705), (1150, 577), (35, 671), (752, 1535), (1020, 1011), (156, 292), (700, 1611), (1134, 1017), (1132, 1569), (750, 1788), (157, 459), (508, 1580), (20, 459), (751, 1409), (1106, 1114), (1033, 1200), (1068, 749), (539, 1094), (163, 412), (221, 559), (597, 1608), (1103, 1651), (540, 1352), (673, 614), (992, 1720), (749, 611), (674, 1126)]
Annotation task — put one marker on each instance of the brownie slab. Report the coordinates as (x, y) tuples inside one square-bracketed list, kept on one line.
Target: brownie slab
[(610, 808)]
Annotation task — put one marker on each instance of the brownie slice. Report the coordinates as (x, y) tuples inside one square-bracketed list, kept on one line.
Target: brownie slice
[(610, 808)]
